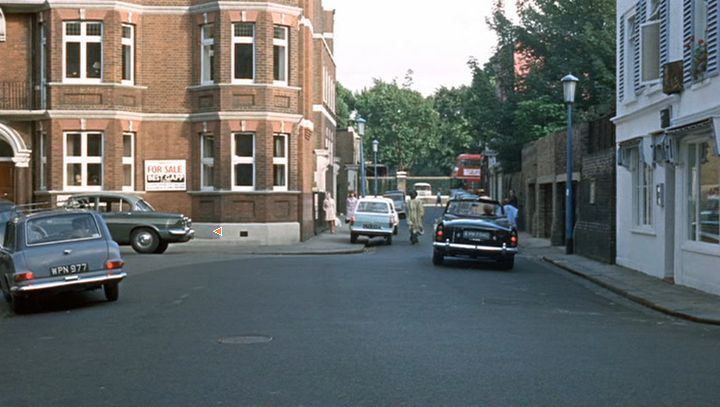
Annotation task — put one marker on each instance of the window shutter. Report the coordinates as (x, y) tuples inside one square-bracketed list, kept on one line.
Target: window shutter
[(621, 60), (712, 37), (640, 17), (664, 43), (687, 41)]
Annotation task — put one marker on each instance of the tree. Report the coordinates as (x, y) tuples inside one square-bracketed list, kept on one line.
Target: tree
[(401, 119), (344, 105)]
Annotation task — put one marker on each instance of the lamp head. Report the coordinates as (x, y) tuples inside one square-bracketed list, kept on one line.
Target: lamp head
[(375, 145), (361, 125), (569, 84)]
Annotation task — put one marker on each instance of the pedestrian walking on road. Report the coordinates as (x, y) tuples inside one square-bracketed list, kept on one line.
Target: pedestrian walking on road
[(510, 211), (415, 217), (329, 208), (351, 203), (438, 201)]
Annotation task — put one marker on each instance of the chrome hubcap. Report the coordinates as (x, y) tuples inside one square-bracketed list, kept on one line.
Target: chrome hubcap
[(144, 239)]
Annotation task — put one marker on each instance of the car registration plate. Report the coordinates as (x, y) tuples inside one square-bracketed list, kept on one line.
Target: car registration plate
[(68, 269), (476, 235), (371, 226)]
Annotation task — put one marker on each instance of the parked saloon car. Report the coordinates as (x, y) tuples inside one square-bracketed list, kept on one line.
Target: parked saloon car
[(374, 216), (55, 251), (398, 198), (476, 228), (133, 221)]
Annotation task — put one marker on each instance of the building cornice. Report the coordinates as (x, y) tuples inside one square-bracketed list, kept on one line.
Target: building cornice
[(194, 9), (176, 117), (656, 105), (322, 109)]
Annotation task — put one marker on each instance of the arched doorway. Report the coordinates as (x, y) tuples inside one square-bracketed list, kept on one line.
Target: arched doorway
[(7, 171)]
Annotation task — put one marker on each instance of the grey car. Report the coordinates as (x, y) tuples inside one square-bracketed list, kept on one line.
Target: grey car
[(56, 251), (133, 221)]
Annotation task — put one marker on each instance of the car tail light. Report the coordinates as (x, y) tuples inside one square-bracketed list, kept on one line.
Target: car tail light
[(24, 276), (514, 239), (114, 264), (439, 233)]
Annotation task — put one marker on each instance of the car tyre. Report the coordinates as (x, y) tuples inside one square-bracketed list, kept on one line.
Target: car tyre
[(507, 264), (353, 237), (18, 304), (438, 258), (112, 291), (388, 240), (144, 240), (161, 247)]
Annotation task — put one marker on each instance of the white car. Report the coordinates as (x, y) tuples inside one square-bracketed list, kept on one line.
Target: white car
[(374, 216)]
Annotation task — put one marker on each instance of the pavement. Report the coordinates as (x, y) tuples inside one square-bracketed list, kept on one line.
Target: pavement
[(678, 301)]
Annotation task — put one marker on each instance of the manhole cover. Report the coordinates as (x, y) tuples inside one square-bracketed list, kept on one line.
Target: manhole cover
[(245, 339)]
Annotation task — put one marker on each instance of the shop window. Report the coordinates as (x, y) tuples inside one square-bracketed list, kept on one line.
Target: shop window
[(280, 162), (243, 162), (83, 51), (280, 55), (207, 167), (83, 161), (243, 52), (128, 162), (703, 187)]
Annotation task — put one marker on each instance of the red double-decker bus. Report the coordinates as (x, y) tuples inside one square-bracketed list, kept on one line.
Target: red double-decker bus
[(468, 172)]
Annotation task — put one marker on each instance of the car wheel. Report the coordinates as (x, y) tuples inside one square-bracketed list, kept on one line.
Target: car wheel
[(507, 264), (353, 237), (144, 240), (161, 248), (438, 258), (18, 304), (112, 291), (388, 240)]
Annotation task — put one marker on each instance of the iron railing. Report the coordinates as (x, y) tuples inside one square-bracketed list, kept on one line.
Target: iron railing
[(15, 96)]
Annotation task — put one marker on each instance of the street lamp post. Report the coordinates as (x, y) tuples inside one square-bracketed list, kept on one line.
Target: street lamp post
[(361, 130), (375, 151), (569, 84)]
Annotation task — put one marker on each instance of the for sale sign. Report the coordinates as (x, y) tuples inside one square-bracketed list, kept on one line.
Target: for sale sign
[(165, 175)]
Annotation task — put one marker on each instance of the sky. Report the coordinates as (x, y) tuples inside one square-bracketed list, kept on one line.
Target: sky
[(384, 38)]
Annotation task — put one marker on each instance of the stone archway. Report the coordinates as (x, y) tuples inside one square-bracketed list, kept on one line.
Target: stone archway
[(21, 154)]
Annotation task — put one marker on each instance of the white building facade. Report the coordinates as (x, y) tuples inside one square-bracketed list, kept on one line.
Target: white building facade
[(668, 139)]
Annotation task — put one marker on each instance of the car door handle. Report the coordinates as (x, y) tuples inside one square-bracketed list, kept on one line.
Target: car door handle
[(67, 252)]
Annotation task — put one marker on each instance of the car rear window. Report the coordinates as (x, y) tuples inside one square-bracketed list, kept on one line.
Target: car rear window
[(373, 207), (60, 228)]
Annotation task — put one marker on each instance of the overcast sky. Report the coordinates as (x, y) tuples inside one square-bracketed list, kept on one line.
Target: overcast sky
[(384, 38)]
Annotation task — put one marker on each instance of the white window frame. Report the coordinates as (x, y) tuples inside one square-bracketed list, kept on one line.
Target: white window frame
[(642, 189), (630, 44), (285, 46), (653, 19), (83, 39), (3, 28), (207, 161), (43, 161), (128, 42), (129, 161), (243, 40), (210, 44), (84, 160), (243, 160), (281, 161)]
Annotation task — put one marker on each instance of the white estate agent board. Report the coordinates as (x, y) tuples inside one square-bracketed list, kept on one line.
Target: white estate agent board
[(165, 175)]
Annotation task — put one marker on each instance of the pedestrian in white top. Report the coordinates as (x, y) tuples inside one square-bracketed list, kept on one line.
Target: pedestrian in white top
[(329, 208), (511, 212)]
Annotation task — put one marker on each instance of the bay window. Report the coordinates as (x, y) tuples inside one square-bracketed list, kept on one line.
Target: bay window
[(280, 162), (128, 54), (207, 164), (82, 45), (128, 162), (207, 54), (83, 161), (243, 161), (280, 54), (243, 52)]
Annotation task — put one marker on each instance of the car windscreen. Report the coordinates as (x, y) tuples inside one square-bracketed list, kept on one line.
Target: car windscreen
[(398, 199), (61, 228), (143, 206), (373, 207), (474, 209)]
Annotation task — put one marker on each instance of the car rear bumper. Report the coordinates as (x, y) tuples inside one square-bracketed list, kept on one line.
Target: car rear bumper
[(71, 282), (459, 249), (372, 232)]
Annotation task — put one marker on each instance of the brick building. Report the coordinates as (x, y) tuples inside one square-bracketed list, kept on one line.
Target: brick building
[(219, 109)]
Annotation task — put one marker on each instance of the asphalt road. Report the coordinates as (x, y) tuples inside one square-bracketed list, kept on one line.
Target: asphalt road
[(385, 328)]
